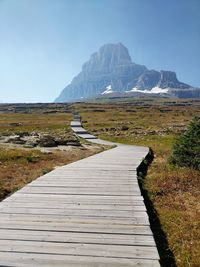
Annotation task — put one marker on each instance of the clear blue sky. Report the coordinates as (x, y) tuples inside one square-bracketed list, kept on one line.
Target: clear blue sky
[(43, 43)]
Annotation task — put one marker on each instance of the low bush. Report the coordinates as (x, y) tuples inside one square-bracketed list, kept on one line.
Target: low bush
[(186, 149)]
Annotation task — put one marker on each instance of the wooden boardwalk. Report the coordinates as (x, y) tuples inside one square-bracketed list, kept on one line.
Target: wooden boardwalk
[(88, 214)]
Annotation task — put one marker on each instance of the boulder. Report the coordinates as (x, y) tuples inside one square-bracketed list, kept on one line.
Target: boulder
[(74, 143), (61, 140), (16, 139), (32, 141), (66, 140), (124, 128), (47, 141)]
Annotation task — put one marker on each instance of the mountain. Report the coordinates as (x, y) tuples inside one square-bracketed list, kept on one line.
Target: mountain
[(111, 72)]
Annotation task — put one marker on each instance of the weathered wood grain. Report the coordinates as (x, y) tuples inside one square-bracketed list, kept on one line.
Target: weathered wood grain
[(21, 259), (79, 227), (76, 237), (119, 251)]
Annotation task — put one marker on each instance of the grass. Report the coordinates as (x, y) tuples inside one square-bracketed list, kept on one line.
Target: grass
[(34, 122), (174, 192)]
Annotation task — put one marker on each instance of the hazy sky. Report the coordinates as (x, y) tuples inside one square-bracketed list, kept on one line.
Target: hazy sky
[(43, 43)]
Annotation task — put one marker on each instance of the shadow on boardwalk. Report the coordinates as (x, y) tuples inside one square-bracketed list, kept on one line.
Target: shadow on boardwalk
[(167, 258)]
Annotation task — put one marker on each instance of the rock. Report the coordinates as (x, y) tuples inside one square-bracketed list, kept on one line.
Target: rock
[(15, 139), (124, 128), (74, 143), (152, 132), (43, 140), (168, 79), (28, 146), (64, 140), (186, 93), (148, 80), (113, 129), (34, 134), (61, 141), (47, 141), (14, 124), (32, 141), (22, 134)]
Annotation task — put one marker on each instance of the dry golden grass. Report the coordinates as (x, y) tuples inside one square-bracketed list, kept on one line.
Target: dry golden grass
[(174, 192), (34, 122)]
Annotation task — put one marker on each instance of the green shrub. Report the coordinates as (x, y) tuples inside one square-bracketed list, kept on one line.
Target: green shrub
[(33, 158), (29, 158), (186, 149)]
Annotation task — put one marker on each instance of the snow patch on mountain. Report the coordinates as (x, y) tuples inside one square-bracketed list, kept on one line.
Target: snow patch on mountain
[(158, 90), (108, 90), (154, 90)]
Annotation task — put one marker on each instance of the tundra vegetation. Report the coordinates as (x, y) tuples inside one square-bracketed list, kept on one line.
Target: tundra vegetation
[(173, 189)]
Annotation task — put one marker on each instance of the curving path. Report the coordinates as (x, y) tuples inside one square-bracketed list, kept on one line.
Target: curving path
[(88, 214)]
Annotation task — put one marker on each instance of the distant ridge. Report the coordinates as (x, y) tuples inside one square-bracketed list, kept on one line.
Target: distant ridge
[(111, 72)]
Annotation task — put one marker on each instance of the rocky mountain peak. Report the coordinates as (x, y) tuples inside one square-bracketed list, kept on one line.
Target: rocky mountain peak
[(168, 75), (169, 79), (111, 71), (114, 54), (109, 56)]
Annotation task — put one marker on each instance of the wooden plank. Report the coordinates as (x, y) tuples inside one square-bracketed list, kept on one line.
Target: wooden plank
[(86, 136), (106, 175), (84, 184), (21, 259), (77, 206), (70, 171), (79, 130), (89, 174), (88, 186), (75, 124), (75, 218), (89, 182), (71, 201), (76, 237), (82, 191), (88, 177), (89, 227), (74, 212), (134, 252), (93, 181), (76, 198)]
